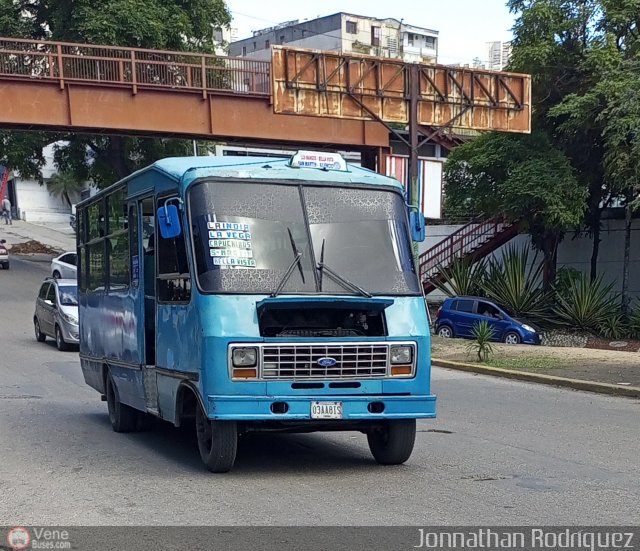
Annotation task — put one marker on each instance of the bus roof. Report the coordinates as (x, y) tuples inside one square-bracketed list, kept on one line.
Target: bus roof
[(188, 169)]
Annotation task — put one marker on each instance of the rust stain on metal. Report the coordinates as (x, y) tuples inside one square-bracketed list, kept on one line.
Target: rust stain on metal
[(328, 84)]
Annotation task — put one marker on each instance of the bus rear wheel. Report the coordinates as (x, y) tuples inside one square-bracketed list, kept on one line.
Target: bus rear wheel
[(123, 418), (393, 441), (217, 442)]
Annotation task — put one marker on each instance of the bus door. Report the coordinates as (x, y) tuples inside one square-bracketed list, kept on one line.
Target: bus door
[(149, 278), (146, 267)]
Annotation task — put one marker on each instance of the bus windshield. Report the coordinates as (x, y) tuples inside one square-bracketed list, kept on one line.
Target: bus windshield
[(247, 235)]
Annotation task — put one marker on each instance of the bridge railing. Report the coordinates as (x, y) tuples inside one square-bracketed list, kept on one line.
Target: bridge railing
[(133, 67)]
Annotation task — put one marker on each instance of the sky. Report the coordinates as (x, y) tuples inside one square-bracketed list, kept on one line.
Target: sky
[(464, 25)]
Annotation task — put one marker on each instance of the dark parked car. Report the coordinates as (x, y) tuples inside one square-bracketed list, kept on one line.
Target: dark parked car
[(457, 317)]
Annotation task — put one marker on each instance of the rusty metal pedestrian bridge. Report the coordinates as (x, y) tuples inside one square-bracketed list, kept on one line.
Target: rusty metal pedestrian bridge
[(299, 96)]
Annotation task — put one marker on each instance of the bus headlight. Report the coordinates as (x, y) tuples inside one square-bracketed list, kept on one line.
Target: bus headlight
[(244, 357), (401, 354)]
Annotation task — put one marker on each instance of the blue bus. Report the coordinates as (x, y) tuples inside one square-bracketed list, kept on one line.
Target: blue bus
[(246, 294)]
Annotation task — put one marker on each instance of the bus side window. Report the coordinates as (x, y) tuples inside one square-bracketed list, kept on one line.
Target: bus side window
[(174, 282)]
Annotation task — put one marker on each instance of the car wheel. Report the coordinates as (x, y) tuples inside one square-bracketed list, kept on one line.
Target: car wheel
[(40, 336), (60, 342), (56, 274), (512, 338), (217, 442), (392, 443), (445, 332)]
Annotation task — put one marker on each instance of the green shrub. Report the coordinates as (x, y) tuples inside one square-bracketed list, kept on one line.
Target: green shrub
[(613, 326), (462, 278), (482, 333), (634, 322), (586, 304), (517, 284)]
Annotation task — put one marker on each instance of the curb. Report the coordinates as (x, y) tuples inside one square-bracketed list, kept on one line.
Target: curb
[(576, 384)]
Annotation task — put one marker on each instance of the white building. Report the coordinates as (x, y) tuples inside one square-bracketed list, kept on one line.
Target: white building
[(222, 37), (345, 33), (32, 201), (497, 55)]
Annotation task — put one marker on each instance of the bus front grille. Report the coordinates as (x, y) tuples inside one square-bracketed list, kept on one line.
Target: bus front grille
[(303, 361)]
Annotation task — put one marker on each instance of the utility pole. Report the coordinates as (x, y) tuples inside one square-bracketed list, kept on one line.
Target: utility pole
[(414, 93)]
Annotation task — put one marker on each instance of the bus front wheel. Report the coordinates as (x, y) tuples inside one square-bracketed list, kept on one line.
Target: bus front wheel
[(392, 442), (217, 442), (123, 418)]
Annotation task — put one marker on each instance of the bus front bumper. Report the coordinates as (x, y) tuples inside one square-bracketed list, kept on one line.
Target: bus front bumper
[(270, 408)]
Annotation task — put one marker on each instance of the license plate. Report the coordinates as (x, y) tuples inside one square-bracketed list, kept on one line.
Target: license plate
[(326, 410)]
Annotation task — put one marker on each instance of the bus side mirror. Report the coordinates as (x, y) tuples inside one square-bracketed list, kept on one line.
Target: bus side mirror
[(169, 222), (418, 226)]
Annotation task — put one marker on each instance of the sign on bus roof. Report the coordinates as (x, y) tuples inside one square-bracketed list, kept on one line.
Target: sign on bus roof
[(319, 159)]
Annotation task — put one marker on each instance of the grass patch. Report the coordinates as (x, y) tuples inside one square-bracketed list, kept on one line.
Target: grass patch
[(526, 363)]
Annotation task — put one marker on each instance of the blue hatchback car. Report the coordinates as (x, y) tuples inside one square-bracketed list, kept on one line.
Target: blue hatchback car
[(457, 316)]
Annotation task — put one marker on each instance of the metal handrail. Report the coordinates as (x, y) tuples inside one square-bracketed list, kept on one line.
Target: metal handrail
[(137, 68), (4, 181), (459, 243)]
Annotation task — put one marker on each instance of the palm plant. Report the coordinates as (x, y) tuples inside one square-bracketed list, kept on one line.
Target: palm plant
[(516, 283), (586, 304), (634, 322), (482, 334), (613, 326), (462, 278), (64, 185)]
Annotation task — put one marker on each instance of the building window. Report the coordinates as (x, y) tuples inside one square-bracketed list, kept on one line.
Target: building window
[(410, 39), (281, 41), (244, 50), (352, 27), (375, 36), (255, 46), (429, 42), (267, 44)]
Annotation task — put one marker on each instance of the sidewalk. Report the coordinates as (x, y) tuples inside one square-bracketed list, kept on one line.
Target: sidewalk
[(603, 371), (57, 236)]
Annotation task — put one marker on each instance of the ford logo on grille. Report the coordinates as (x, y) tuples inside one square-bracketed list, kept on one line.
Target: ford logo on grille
[(327, 362)]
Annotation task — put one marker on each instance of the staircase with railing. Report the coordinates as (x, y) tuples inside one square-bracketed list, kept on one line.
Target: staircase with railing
[(4, 181), (474, 241)]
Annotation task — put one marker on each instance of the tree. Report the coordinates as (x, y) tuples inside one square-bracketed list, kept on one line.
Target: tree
[(161, 24), (552, 41), (64, 185), (522, 177), (622, 157)]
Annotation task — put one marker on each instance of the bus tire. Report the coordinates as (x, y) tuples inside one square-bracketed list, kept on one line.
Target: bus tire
[(392, 443), (123, 418), (217, 442)]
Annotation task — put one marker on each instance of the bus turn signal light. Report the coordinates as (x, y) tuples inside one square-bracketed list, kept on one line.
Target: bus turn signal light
[(400, 370), (245, 373)]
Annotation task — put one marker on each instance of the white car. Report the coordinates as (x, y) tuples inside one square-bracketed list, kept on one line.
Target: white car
[(65, 266)]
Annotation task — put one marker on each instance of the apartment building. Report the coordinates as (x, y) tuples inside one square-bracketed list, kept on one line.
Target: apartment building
[(345, 33), (497, 55)]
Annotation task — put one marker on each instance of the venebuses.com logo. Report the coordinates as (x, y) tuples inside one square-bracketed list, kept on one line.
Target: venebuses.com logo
[(18, 538)]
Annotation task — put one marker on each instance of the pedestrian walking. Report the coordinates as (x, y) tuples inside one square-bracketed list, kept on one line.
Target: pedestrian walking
[(6, 211)]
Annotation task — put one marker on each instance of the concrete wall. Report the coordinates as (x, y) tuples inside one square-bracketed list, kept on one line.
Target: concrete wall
[(573, 253), (34, 203)]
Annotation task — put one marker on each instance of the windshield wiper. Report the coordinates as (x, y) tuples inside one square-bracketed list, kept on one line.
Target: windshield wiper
[(297, 260), (322, 267)]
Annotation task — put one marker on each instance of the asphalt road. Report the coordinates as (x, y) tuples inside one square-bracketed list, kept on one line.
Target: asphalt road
[(501, 452)]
